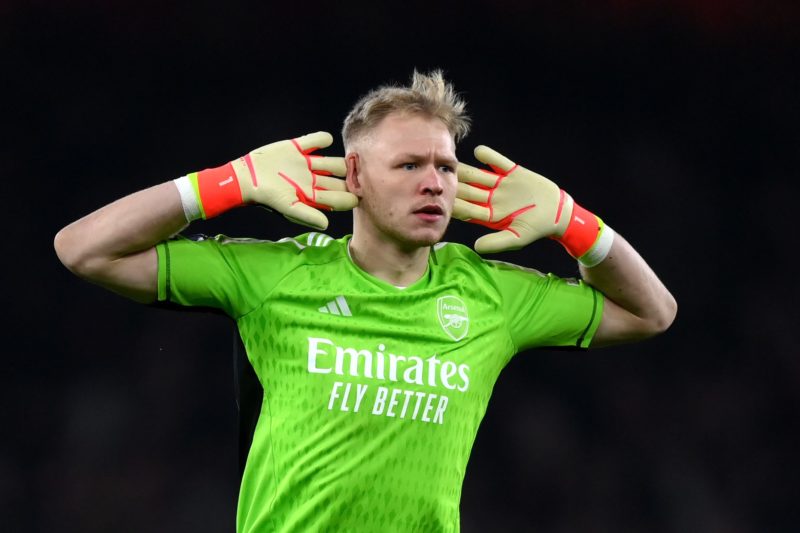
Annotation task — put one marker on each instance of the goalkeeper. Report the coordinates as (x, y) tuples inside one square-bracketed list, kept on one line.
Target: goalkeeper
[(377, 351)]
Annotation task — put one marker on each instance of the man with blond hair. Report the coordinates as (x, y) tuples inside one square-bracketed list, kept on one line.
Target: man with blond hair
[(377, 351)]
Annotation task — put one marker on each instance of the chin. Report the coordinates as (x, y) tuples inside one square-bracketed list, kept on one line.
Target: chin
[(423, 238)]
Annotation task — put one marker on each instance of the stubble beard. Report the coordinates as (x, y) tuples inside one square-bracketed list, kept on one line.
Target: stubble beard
[(386, 230)]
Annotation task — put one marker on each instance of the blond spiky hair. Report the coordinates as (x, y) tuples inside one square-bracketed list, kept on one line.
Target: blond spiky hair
[(429, 94)]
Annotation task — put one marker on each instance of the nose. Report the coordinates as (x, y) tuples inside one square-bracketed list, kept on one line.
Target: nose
[(432, 181)]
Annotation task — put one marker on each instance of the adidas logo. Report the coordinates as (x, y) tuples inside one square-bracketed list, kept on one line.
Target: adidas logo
[(338, 306)]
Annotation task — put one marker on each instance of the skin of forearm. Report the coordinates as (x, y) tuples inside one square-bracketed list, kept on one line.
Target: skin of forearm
[(93, 245), (627, 280)]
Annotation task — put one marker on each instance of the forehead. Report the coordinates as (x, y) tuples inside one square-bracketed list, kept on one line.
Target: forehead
[(412, 132)]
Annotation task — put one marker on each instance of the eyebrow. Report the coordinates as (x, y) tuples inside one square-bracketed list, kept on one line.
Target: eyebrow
[(416, 157)]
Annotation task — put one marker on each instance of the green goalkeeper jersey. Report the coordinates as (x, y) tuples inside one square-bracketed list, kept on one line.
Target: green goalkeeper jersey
[(373, 394)]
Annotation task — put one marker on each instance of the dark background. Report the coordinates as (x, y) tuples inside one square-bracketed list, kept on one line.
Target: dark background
[(675, 121)]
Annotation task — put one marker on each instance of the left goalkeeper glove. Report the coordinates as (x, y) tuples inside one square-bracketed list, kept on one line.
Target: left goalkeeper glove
[(525, 206), (285, 176)]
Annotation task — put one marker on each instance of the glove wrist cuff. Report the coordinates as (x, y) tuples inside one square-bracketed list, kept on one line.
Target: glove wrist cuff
[(586, 238), (217, 190)]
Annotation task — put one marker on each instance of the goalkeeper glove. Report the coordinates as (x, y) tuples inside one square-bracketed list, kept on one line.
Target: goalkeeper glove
[(283, 176), (525, 206)]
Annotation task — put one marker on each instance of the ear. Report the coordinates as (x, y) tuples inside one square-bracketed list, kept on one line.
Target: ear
[(353, 174)]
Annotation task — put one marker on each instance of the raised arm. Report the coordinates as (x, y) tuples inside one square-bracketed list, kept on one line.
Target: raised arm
[(524, 206), (637, 305), (114, 246)]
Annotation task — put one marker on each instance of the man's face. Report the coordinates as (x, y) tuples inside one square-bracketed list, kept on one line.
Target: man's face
[(404, 172)]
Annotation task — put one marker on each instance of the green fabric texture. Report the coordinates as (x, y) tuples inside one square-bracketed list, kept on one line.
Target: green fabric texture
[(373, 395)]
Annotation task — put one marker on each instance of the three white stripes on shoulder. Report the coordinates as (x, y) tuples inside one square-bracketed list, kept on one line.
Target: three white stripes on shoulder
[(318, 239)]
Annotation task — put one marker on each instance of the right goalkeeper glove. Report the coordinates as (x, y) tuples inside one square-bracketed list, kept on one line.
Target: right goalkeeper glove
[(283, 176), (524, 206)]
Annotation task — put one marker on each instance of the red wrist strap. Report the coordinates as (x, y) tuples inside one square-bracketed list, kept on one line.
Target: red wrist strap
[(219, 190), (582, 232)]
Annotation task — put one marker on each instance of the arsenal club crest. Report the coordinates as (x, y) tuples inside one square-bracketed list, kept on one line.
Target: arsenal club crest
[(453, 317)]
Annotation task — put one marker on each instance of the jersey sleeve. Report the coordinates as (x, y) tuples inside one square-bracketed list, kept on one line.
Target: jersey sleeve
[(544, 310), (233, 275)]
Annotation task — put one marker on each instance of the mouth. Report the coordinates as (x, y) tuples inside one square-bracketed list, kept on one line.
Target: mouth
[(430, 212)]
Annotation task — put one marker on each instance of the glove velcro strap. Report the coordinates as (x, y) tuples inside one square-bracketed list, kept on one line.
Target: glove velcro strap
[(586, 238), (582, 231), (218, 190)]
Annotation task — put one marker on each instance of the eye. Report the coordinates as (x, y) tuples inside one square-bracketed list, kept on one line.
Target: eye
[(409, 166), (447, 168)]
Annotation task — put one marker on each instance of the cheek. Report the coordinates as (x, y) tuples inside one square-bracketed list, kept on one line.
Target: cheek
[(450, 188), (378, 198), (383, 189)]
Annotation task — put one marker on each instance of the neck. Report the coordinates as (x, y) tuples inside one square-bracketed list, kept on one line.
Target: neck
[(387, 261)]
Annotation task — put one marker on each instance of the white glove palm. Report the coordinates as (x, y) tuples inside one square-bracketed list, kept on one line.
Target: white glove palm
[(282, 175), (523, 205), (286, 177)]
